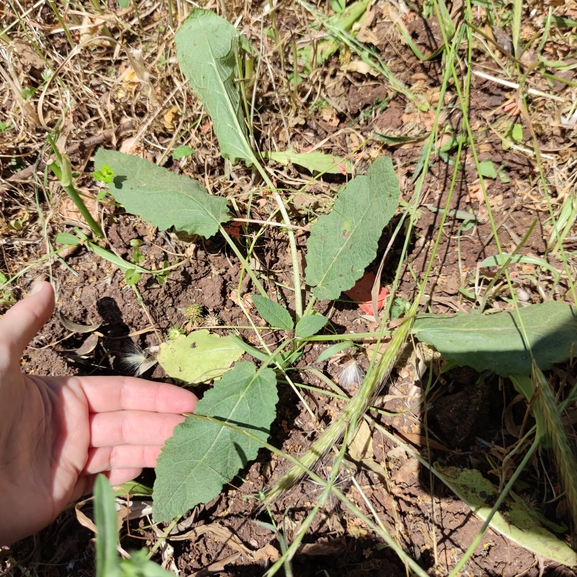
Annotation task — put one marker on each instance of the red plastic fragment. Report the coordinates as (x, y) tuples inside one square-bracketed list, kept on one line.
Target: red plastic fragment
[(361, 293)]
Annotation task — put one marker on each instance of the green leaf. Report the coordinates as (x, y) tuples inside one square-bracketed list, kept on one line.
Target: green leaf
[(313, 161), (338, 5), (162, 197), (198, 357), (182, 152), (333, 350), (124, 3), (138, 565), (495, 341), (487, 169), (202, 455), (206, 47), (67, 239), (105, 174), (343, 243), (310, 325), (107, 558), (496, 260), (517, 522), (273, 313)]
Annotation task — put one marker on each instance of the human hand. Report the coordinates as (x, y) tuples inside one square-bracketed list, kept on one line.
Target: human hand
[(57, 433)]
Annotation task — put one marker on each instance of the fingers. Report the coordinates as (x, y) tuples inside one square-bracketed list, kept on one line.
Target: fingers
[(106, 394), (131, 428), (120, 458), (19, 325), (85, 483)]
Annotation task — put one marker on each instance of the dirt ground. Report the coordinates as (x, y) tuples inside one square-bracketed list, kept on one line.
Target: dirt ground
[(465, 419)]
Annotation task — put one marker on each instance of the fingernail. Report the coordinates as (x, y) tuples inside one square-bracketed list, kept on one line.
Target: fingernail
[(37, 288)]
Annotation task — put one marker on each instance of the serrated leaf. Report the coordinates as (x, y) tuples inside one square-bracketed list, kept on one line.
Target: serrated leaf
[(517, 522), (162, 197), (495, 342), (273, 313), (310, 325), (201, 455), (198, 357), (343, 243), (205, 48), (313, 161)]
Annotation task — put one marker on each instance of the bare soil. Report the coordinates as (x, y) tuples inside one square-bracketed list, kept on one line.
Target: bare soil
[(464, 419)]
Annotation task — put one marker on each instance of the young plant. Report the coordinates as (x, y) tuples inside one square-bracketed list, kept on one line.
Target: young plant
[(342, 244)]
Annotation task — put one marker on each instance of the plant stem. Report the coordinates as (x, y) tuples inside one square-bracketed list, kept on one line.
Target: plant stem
[(292, 241)]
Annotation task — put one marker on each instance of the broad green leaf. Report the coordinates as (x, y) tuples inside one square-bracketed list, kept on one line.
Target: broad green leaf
[(310, 325), (516, 523), (198, 357), (273, 313), (201, 455), (206, 47), (107, 558), (343, 243), (313, 161), (162, 197), (495, 341), (487, 169)]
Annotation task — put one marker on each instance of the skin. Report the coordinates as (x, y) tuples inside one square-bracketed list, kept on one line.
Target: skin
[(58, 433)]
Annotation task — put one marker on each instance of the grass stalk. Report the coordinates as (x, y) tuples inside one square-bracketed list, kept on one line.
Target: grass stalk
[(356, 407), (413, 566)]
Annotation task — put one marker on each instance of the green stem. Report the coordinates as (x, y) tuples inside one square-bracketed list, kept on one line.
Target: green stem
[(244, 263), (292, 241)]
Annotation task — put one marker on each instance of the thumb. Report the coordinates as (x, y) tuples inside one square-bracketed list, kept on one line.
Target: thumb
[(19, 325)]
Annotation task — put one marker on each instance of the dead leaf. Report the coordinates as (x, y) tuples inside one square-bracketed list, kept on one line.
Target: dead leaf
[(169, 118), (360, 67), (361, 447), (75, 327), (88, 345)]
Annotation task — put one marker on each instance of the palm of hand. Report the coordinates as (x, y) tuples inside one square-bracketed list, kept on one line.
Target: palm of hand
[(57, 433)]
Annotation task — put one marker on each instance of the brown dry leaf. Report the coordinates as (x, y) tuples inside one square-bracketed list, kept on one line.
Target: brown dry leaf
[(169, 118), (91, 29), (88, 345), (408, 473), (329, 116), (355, 529), (475, 192), (130, 146), (361, 447), (360, 67)]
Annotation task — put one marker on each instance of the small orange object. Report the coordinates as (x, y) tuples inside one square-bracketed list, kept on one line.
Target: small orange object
[(361, 293)]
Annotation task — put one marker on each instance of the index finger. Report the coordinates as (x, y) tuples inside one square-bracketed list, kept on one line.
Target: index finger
[(117, 393)]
